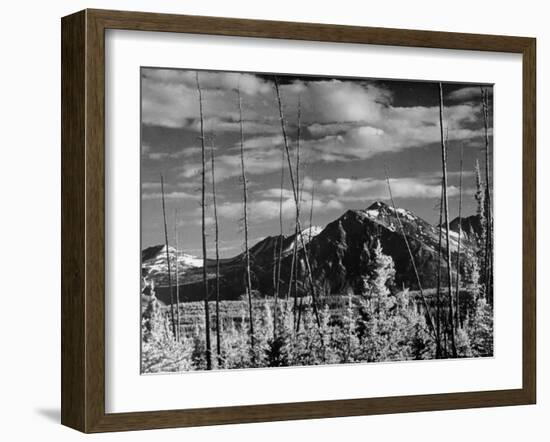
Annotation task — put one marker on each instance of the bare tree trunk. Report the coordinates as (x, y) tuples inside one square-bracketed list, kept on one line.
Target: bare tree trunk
[(168, 259), (424, 302), (488, 209), (274, 269), (217, 241), (293, 278), (311, 211), (458, 319), (294, 269), (280, 244), (204, 257), (280, 240), (296, 200), (305, 251), (438, 353), (299, 307), (248, 281), (446, 209), (278, 247), (292, 265), (178, 320), (292, 273)]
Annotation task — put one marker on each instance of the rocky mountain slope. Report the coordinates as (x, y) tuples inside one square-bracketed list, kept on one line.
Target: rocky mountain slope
[(339, 255)]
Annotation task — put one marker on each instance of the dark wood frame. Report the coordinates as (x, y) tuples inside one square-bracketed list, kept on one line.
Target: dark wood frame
[(83, 216)]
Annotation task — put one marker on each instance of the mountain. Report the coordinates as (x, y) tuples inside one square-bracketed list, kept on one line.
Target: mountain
[(339, 255), (471, 226)]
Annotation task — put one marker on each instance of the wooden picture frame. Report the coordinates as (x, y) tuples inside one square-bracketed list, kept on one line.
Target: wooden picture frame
[(83, 220)]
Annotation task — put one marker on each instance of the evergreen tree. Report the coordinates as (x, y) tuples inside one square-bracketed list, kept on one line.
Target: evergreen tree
[(236, 342), (480, 329), (480, 199), (415, 342), (376, 305), (277, 348), (329, 347), (263, 326), (160, 351), (472, 276), (346, 338), (390, 327), (463, 345)]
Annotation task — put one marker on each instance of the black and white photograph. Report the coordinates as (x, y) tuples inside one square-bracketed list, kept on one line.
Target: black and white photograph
[(295, 220)]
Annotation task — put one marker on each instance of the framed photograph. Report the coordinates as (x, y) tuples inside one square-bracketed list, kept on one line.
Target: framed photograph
[(267, 221)]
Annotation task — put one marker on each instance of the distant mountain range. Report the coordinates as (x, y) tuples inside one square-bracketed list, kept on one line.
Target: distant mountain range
[(338, 253)]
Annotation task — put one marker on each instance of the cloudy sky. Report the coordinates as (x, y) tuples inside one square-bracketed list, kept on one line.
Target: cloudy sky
[(350, 130)]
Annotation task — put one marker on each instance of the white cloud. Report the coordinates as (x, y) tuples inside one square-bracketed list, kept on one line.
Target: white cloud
[(467, 93), (228, 124), (396, 129), (264, 142), (150, 185), (336, 101), (321, 130), (169, 195), (161, 156), (197, 221), (268, 209), (348, 120), (347, 189), (209, 80), (170, 98), (258, 161), (275, 193)]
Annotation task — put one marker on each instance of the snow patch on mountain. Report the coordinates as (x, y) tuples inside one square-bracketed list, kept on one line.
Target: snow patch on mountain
[(158, 264), (404, 214), (189, 260), (311, 232)]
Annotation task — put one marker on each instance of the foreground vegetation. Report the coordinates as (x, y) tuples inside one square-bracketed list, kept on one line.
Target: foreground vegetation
[(379, 324)]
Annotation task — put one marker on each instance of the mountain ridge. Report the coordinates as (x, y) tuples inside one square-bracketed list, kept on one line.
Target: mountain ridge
[(339, 254)]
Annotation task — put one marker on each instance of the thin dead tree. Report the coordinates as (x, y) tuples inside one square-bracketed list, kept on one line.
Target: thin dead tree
[(292, 283), (311, 211), (438, 353), (176, 239), (168, 263), (203, 223), (274, 267), (248, 281), (488, 210), (480, 238), (447, 227), (217, 244), (309, 243), (458, 319), (295, 261), (279, 246), (296, 195), (293, 277), (431, 324), (293, 280), (280, 240)]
